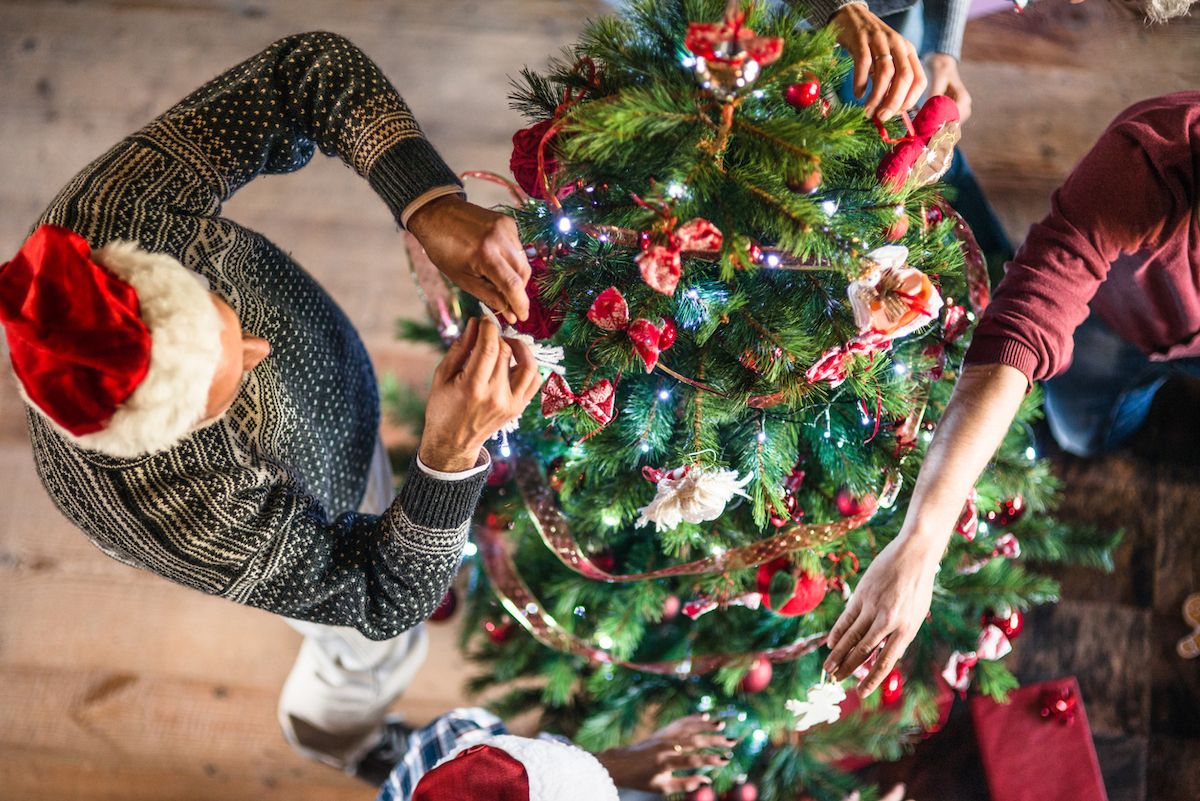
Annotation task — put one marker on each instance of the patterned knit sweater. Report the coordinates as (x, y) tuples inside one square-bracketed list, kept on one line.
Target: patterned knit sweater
[(259, 507)]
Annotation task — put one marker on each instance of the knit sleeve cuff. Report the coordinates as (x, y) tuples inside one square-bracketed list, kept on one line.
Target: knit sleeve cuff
[(820, 11), (406, 171), (1001, 350), (435, 503)]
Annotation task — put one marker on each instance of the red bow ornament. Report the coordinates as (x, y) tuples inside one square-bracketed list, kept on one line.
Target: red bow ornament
[(611, 312), (968, 519), (661, 265), (597, 400), (924, 155), (728, 56)]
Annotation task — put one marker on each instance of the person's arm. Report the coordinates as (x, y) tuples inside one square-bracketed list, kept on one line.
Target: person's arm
[(268, 115), (384, 574), (945, 23), (1121, 195), (894, 595)]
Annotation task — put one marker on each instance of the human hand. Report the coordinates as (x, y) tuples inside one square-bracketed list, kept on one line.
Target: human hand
[(945, 80), (882, 55), (476, 390), (890, 603), (478, 249), (650, 764)]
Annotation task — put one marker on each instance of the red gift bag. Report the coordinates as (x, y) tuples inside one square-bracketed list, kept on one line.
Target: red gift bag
[(1038, 746)]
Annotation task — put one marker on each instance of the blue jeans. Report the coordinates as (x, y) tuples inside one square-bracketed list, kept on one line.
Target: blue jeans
[(969, 200), (1104, 396)]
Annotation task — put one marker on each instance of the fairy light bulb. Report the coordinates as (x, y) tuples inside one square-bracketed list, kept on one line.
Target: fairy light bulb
[(664, 394), (564, 225), (901, 368), (604, 641), (1030, 453), (772, 259), (470, 549), (645, 446)]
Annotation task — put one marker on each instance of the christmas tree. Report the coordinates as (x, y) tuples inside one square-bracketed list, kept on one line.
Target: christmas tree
[(761, 301)]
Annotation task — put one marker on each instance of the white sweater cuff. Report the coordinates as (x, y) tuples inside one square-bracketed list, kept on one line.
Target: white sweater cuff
[(485, 461)]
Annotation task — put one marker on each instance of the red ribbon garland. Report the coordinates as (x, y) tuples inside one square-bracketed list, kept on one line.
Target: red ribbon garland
[(520, 602)]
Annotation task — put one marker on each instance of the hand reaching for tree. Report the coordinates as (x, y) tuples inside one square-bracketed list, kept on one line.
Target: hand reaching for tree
[(944, 79), (476, 390), (479, 250), (650, 764), (882, 55), (890, 603)]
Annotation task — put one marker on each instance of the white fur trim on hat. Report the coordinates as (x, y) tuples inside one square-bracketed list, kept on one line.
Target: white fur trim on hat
[(556, 770), (185, 350)]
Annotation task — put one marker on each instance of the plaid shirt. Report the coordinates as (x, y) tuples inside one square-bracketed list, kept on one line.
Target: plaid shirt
[(427, 746)]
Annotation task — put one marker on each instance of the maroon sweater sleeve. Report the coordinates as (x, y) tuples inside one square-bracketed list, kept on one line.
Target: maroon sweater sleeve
[(1119, 197)]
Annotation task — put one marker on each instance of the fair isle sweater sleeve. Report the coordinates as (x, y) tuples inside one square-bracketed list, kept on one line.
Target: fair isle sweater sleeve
[(945, 23), (308, 91)]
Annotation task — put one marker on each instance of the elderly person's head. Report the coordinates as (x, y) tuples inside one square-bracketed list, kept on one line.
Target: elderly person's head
[(123, 351)]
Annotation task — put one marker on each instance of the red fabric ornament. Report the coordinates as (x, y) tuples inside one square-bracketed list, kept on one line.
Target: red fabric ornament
[(75, 336), (597, 400), (803, 94), (524, 159), (610, 312), (968, 520), (480, 772), (892, 689), (1010, 511), (543, 321), (806, 593), (446, 608), (924, 155), (954, 323), (741, 792), (1011, 624), (499, 633), (933, 215), (704, 793), (758, 678), (661, 264), (716, 41)]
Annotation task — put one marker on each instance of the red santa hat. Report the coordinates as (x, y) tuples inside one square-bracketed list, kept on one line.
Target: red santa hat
[(116, 347), (508, 768)]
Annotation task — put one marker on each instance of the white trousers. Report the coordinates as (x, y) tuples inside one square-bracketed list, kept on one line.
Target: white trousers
[(334, 701)]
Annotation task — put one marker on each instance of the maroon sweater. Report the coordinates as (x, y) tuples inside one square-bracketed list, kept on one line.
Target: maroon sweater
[(1123, 235)]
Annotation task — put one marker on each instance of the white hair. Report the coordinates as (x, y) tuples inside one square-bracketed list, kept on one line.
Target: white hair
[(1165, 10)]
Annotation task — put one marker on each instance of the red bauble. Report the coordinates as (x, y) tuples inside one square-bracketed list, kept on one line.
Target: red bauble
[(554, 475), (543, 320), (667, 338), (605, 560), (758, 678), (892, 688), (741, 792), (896, 231), (705, 793), (501, 472), (848, 505), (671, 607), (499, 632), (933, 215), (1011, 624), (803, 94), (807, 592), (446, 608)]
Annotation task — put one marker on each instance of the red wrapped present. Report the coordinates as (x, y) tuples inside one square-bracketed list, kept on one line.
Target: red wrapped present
[(1038, 746)]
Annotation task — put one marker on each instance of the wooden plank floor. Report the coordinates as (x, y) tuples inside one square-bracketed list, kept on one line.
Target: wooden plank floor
[(117, 685)]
